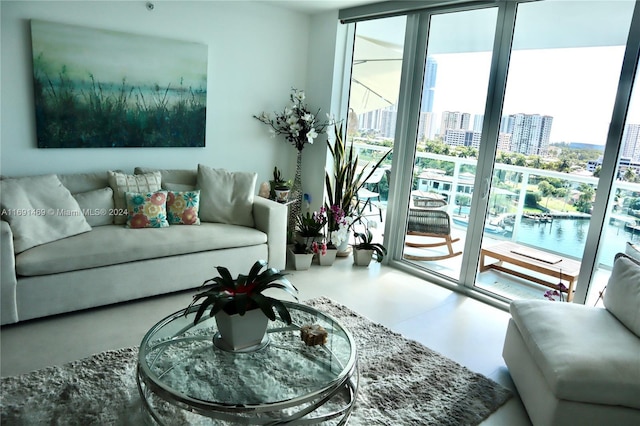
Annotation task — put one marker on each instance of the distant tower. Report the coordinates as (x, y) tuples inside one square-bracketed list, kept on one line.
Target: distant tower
[(429, 84), (478, 120), (530, 133), (631, 141)]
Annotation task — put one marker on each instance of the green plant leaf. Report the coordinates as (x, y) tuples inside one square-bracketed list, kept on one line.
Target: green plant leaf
[(282, 310), (265, 304)]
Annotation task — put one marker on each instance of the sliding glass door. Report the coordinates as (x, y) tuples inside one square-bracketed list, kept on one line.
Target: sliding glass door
[(453, 98), (503, 113), (554, 124)]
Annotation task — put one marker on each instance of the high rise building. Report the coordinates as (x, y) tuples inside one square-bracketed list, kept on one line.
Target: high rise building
[(631, 142), (530, 134), (426, 128), (455, 121), (429, 84), (461, 137), (478, 120)]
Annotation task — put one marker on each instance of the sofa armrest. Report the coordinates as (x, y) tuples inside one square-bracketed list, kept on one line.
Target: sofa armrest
[(271, 218), (8, 281)]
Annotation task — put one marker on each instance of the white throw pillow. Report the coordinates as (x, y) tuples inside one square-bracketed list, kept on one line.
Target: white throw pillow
[(121, 183), (632, 250), (97, 206), (40, 210), (622, 297), (226, 197)]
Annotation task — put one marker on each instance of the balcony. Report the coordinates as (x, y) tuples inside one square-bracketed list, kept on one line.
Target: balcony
[(556, 228)]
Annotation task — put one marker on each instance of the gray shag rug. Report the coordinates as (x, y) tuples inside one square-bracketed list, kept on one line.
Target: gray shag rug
[(401, 383)]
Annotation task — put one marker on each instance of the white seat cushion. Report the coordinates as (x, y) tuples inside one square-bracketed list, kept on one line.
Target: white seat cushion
[(584, 353), (114, 244)]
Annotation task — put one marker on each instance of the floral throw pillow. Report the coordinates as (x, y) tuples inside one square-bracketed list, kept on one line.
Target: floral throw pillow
[(182, 207), (147, 209)]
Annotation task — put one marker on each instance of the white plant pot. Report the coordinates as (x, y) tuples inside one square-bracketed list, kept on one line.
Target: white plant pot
[(362, 257), (241, 333), (328, 258), (301, 262)]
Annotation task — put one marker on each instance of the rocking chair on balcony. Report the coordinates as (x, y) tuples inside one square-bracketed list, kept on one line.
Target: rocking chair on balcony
[(426, 222)]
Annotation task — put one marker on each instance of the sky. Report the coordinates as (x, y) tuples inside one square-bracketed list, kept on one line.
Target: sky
[(576, 86)]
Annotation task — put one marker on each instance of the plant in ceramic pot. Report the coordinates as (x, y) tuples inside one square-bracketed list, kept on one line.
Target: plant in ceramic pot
[(308, 229), (281, 187), (347, 178), (239, 306), (365, 248)]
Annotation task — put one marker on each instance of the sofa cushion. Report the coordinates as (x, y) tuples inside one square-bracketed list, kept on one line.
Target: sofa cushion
[(584, 352), (177, 186), (183, 207), (97, 206), (115, 244), (226, 197), (622, 297), (121, 183), (188, 177), (146, 209), (40, 210), (84, 182)]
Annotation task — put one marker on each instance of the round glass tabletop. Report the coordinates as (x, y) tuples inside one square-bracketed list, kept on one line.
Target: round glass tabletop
[(182, 373)]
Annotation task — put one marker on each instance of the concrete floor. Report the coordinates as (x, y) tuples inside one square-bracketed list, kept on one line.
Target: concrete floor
[(463, 329)]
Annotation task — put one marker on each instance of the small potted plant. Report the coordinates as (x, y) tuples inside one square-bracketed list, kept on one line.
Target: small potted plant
[(281, 187), (365, 248), (308, 230), (240, 309)]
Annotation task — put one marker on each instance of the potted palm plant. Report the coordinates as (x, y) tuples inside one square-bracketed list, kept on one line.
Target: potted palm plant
[(347, 179), (240, 309), (365, 248)]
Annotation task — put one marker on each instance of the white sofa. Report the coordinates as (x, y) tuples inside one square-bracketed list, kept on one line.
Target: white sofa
[(579, 365), (103, 263)]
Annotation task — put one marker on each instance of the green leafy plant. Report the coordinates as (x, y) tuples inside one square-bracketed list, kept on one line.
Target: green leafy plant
[(348, 178), (278, 182), (238, 295), (311, 225), (366, 243)]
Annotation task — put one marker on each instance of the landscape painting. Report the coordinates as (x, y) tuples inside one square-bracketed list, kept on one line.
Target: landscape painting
[(98, 88)]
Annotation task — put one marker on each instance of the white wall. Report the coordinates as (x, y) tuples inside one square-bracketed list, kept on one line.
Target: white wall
[(257, 52), (327, 42)]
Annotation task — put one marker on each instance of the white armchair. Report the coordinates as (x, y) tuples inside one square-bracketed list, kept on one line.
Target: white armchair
[(576, 364)]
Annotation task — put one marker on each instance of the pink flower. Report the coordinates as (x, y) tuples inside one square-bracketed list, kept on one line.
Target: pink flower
[(314, 247), (324, 248)]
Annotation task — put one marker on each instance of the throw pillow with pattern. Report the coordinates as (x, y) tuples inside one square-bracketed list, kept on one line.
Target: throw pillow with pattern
[(147, 209), (182, 207)]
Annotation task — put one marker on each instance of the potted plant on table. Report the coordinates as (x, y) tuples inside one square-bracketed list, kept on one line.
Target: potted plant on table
[(365, 248), (240, 309), (281, 187)]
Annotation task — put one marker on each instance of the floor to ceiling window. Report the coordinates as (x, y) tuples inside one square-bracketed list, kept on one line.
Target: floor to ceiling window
[(503, 115), (373, 98)]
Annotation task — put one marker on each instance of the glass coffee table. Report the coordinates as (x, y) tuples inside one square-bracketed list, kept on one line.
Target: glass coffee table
[(183, 378)]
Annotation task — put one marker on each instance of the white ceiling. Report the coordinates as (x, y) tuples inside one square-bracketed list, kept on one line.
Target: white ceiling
[(317, 6)]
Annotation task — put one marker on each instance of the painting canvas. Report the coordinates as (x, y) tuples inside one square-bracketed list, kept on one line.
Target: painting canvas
[(99, 88)]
